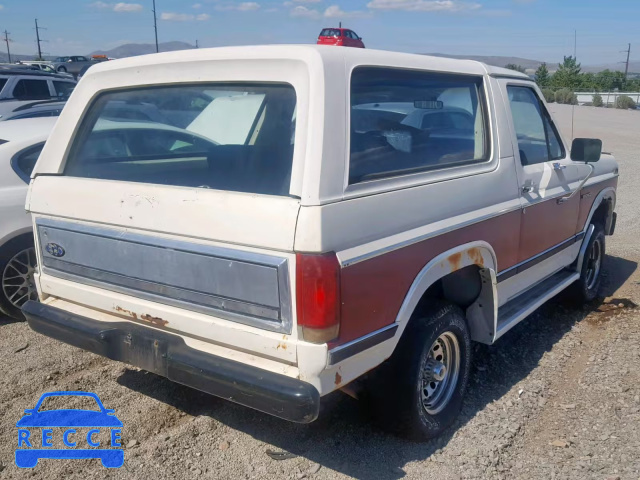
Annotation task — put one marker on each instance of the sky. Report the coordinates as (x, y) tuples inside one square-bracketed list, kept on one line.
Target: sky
[(536, 29)]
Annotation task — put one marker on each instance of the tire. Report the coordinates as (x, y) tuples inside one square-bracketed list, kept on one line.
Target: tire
[(404, 393), (587, 286), (62, 69), (17, 264)]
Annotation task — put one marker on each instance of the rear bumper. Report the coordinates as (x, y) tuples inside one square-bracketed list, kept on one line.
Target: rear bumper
[(167, 355)]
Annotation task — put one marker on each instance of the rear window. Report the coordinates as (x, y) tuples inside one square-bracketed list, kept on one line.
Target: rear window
[(330, 32), (236, 137), (405, 121)]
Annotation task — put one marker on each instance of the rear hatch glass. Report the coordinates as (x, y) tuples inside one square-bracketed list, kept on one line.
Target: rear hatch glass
[(225, 136)]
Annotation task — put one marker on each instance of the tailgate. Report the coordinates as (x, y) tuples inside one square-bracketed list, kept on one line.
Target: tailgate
[(144, 256)]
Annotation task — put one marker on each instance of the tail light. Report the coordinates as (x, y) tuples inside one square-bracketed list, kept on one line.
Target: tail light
[(318, 296)]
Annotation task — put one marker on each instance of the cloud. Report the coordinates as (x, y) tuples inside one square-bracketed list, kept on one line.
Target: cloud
[(241, 7), (1, 7), (524, 2), (424, 5), (196, 5), (334, 11), (304, 1), (305, 12), (183, 17), (118, 7), (127, 7)]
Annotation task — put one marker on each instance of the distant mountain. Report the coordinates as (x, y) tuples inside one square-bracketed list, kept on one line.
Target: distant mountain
[(134, 49), (15, 58)]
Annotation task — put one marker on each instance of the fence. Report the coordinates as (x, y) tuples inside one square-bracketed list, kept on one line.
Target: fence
[(609, 98)]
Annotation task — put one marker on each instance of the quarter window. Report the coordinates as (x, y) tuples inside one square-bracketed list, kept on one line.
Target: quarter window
[(63, 89), (405, 121), (538, 139), (2, 82), (24, 161)]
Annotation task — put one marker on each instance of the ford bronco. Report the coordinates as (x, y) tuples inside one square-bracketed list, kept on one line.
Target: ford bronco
[(291, 218)]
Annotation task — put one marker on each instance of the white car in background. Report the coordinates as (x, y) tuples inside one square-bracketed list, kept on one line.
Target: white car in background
[(20, 144)]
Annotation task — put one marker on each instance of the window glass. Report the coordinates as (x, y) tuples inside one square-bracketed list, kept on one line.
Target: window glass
[(31, 90), (405, 121), (2, 82), (24, 161), (63, 89), (330, 32), (237, 137), (538, 141)]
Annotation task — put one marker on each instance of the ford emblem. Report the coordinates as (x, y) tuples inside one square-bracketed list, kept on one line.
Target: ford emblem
[(55, 250)]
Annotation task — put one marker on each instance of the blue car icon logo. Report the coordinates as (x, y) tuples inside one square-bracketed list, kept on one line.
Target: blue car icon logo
[(97, 430)]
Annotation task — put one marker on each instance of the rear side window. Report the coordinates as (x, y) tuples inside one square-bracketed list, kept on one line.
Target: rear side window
[(406, 121), (2, 83), (236, 137), (63, 89), (24, 161), (31, 90)]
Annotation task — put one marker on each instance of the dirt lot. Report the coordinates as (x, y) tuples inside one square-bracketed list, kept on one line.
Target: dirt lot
[(558, 397)]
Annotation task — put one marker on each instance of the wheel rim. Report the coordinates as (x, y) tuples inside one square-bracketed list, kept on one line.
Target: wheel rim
[(17, 279), (594, 262), (440, 373)]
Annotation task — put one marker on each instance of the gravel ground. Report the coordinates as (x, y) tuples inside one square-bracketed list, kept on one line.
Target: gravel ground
[(557, 397)]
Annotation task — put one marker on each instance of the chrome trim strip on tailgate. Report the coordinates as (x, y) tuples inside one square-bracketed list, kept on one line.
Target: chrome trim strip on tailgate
[(244, 287)]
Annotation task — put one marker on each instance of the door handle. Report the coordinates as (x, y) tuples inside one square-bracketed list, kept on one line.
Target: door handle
[(572, 194), (528, 187), (557, 166)]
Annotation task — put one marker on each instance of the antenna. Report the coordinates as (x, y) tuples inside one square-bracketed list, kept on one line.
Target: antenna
[(39, 40), (155, 24), (7, 40)]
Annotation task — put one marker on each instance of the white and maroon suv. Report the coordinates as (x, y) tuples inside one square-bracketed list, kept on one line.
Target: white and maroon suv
[(295, 216)]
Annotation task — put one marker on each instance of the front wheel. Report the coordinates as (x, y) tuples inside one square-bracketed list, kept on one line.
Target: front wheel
[(587, 287), (418, 393)]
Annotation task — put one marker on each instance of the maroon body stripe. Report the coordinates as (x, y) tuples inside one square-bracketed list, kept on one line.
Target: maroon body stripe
[(373, 290)]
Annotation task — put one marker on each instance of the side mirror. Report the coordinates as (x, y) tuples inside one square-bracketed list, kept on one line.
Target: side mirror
[(586, 150)]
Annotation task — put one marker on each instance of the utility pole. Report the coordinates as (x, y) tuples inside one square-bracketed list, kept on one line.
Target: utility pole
[(626, 68), (155, 24), (6, 40), (197, 43), (38, 39)]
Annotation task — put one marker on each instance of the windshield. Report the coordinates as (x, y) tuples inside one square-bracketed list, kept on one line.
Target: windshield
[(69, 402), (236, 137), (62, 59)]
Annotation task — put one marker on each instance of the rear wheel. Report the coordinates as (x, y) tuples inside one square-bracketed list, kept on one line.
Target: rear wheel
[(17, 267), (62, 69), (587, 287), (418, 393)]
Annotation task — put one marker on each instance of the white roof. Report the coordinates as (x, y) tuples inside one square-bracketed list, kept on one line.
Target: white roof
[(310, 53), (36, 129)]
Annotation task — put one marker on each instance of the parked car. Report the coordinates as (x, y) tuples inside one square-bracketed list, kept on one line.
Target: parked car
[(16, 110), (20, 84), (340, 37), (20, 144), (43, 66), (71, 64), (260, 246)]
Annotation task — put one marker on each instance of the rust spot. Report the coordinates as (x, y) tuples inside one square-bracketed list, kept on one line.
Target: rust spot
[(455, 260), (476, 256), (281, 346), (124, 311), (338, 378), (154, 320)]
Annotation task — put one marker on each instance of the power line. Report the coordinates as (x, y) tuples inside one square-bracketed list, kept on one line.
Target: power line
[(155, 24), (7, 40)]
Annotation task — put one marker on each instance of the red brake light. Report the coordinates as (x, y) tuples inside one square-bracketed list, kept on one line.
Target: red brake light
[(318, 296)]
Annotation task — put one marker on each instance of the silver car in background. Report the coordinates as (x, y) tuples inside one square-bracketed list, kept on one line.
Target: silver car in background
[(71, 64)]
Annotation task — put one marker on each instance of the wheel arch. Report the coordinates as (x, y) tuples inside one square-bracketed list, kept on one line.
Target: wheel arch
[(602, 208), (481, 313)]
